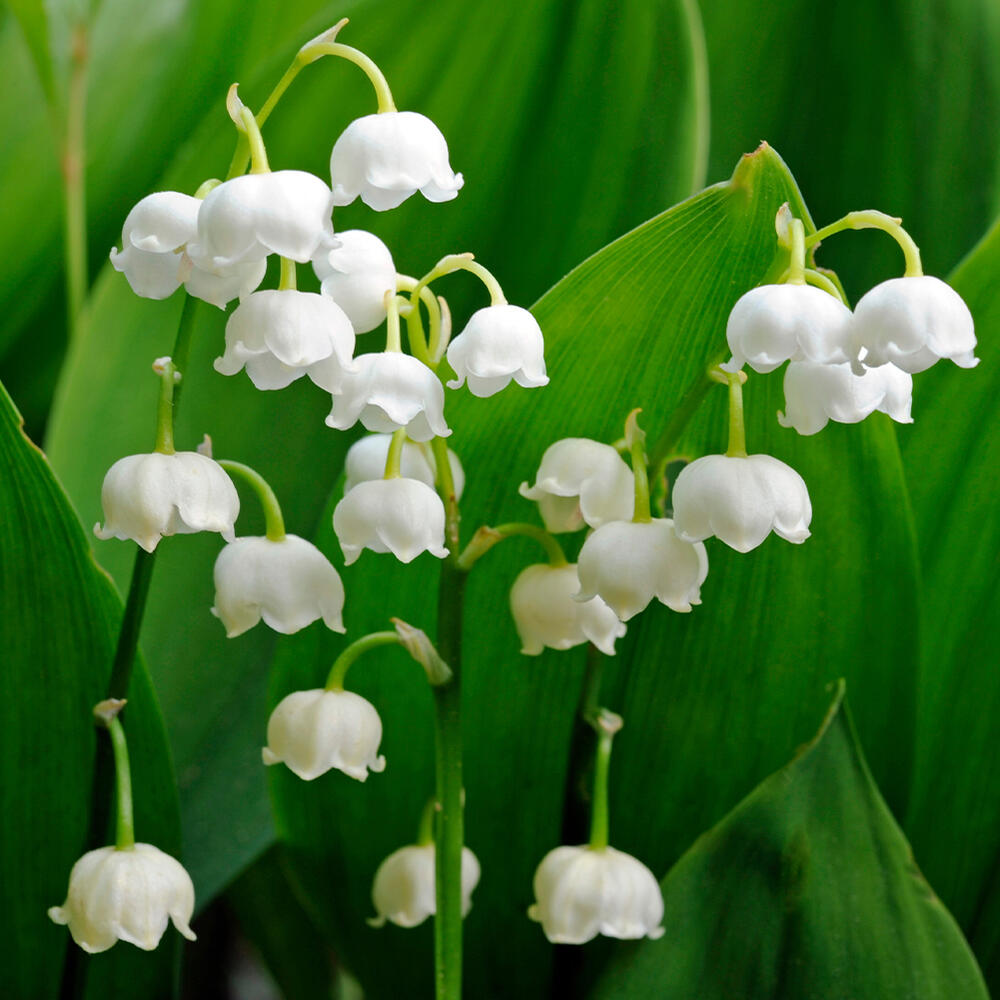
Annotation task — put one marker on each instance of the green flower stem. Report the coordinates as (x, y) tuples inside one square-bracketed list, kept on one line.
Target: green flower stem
[(414, 322), (820, 280), (393, 341), (636, 441), (446, 489), (485, 538), (274, 522), (258, 154), (169, 377), (797, 264), (464, 262), (394, 456), (125, 824), (315, 50), (343, 663), (425, 832), (450, 832), (737, 430), (872, 219), (606, 725), (74, 158), (287, 281)]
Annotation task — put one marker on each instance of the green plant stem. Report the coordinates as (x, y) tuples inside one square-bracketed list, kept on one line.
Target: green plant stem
[(636, 441), (287, 281), (363, 62), (414, 322), (797, 264), (425, 831), (347, 657), (165, 409), (486, 537), (872, 219), (125, 824), (450, 833), (393, 341), (394, 456), (820, 280), (446, 488), (275, 523), (599, 813), (737, 429), (464, 262), (74, 171), (258, 152)]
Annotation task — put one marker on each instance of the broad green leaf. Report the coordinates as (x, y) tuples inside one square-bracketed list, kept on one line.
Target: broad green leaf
[(892, 105), (951, 456), (713, 701), (486, 74), (806, 889), (59, 619), (34, 23)]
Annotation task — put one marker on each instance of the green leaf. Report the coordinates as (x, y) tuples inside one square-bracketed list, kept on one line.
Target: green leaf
[(713, 701), (806, 889), (486, 74), (951, 456), (33, 19), (59, 619), (874, 108)]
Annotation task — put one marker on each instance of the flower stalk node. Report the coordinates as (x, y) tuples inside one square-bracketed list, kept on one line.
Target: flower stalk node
[(105, 711), (420, 647)]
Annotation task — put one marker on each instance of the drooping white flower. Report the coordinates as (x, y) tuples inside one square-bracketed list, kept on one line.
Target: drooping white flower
[(367, 456), (356, 274), (741, 501), (499, 343), (628, 563), (546, 613), (582, 892), (581, 482), (281, 335), (287, 212), (156, 229), (314, 731), (289, 583), (816, 393), (152, 258), (403, 890), (390, 390), (386, 157), (126, 895), (401, 516), (772, 324), (146, 497), (912, 323)]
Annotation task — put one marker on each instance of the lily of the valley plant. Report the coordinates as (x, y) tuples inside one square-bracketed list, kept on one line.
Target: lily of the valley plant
[(624, 544)]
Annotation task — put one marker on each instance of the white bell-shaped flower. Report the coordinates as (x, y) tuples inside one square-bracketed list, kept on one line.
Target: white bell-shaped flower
[(546, 612), (499, 343), (367, 456), (314, 731), (815, 394), (156, 230), (126, 895), (281, 335), (146, 497), (741, 500), (582, 892), (356, 274), (287, 212), (401, 516), (582, 482), (388, 391), (152, 258), (628, 563), (403, 890), (912, 323), (386, 157), (772, 324), (289, 583)]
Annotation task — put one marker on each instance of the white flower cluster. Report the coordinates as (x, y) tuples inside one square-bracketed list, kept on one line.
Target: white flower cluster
[(844, 365)]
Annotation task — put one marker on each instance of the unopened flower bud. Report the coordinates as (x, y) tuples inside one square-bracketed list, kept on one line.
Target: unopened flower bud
[(356, 274), (367, 456), (403, 890)]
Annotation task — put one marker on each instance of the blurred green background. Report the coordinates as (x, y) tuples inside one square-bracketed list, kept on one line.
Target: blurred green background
[(573, 122)]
